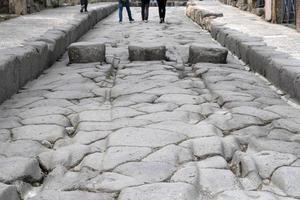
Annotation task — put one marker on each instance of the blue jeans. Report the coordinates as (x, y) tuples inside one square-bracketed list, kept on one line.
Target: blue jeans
[(121, 5)]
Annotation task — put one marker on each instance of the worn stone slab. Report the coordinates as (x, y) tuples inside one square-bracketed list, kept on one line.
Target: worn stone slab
[(166, 191), (207, 53), (70, 195), (86, 52), (8, 192), (19, 168), (146, 52), (286, 178)]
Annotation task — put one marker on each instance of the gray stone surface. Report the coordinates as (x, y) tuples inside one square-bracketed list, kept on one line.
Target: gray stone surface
[(267, 48), (26, 55), (86, 52), (19, 168), (146, 52), (167, 191), (150, 129), (286, 178), (210, 54), (8, 192)]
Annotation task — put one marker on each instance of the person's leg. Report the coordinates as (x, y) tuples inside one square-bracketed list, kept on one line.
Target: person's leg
[(164, 3), (82, 5), (159, 8), (86, 5), (120, 11), (147, 3), (143, 9), (128, 10)]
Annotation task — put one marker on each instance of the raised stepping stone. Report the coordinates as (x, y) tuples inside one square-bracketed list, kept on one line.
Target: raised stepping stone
[(146, 52), (207, 53), (86, 52)]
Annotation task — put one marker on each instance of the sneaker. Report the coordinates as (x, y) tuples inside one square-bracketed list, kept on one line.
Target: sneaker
[(131, 20), (146, 21), (120, 22)]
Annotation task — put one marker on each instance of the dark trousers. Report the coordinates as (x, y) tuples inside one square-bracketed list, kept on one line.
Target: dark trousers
[(84, 4), (145, 9), (162, 8), (121, 5)]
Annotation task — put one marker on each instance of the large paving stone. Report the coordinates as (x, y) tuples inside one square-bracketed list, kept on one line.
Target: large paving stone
[(110, 182), (146, 52), (23, 148), (147, 172), (172, 154), (171, 116), (92, 161), (250, 195), (143, 137), (268, 161), (205, 147), (67, 156), (287, 179), (50, 133), (166, 191), (19, 168), (207, 53), (71, 195), (4, 135), (113, 125), (8, 192), (59, 120), (201, 129), (85, 52), (218, 180), (115, 156), (60, 179)]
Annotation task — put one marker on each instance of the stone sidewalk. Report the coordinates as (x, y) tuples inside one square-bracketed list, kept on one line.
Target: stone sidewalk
[(272, 50), (29, 44), (149, 130), (15, 32)]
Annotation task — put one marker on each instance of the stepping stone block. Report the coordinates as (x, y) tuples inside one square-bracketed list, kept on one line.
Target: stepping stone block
[(86, 52), (203, 53), (146, 52)]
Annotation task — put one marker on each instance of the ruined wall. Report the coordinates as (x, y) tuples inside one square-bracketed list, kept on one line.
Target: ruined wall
[(246, 5), (4, 6)]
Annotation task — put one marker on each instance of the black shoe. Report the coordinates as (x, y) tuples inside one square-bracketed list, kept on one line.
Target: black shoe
[(161, 21), (81, 10), (131, 20), (86, 11)]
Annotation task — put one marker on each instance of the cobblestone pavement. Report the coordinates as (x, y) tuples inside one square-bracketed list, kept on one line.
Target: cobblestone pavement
[(149, 130)]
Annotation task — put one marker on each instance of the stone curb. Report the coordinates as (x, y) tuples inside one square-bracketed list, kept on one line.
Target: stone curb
[(18, 65), (276, 66)]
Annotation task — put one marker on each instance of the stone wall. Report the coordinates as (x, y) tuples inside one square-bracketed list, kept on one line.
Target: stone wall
[(246, 5), (4, 6)]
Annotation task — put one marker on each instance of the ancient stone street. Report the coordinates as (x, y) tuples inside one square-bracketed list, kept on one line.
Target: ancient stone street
[(149, 130)]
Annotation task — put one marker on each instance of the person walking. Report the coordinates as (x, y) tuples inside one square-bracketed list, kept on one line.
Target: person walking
[(125, 3), (162, 10), (84, 4), (145, 10)]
